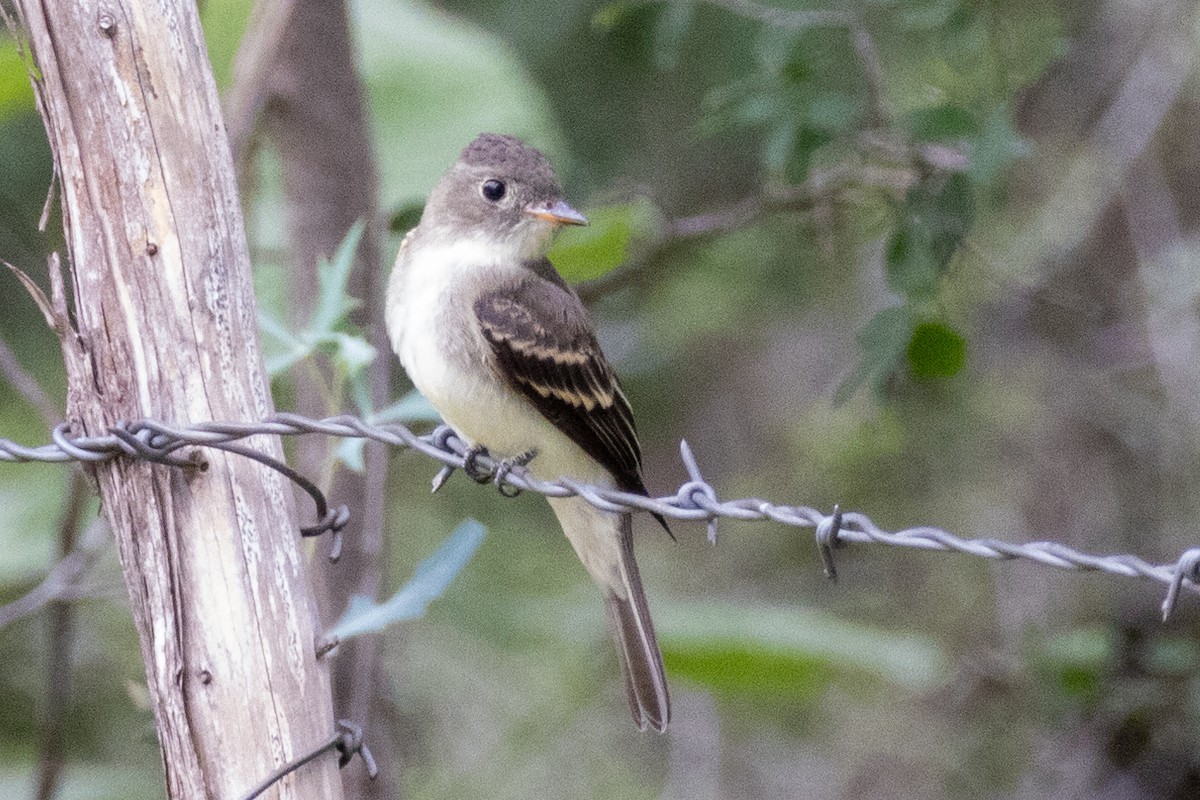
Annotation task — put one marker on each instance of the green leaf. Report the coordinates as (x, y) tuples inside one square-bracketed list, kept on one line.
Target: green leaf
[(351, 354), (16, 92), (833, 111), (779, 144), (1076, 661), (909, 265), (671, 31), (429, 581), (942, 123), (996, 148), (581, 254), (1174, 655), (406, 217), (780, 650), (333, 277), (413, 407), (933, 221), (759, 107), (928, 15), (936, 350), (881, 345), (611, 15), (807, 142), (734, 666), (281, 348), (224, 24), (325, 330)]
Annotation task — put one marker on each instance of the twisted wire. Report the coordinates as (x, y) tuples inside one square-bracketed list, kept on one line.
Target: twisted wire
[(695, 500)]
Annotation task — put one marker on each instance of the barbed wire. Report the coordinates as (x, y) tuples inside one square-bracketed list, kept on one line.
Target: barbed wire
[(347, 740), (695, 500)]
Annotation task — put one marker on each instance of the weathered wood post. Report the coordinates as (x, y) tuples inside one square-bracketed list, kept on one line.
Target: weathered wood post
[(164, 327)]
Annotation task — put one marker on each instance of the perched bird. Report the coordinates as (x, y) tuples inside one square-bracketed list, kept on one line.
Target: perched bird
[(503, 348)]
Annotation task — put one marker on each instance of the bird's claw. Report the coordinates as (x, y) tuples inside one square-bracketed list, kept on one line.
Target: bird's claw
[(471, 465), (505, 466), (498, 474)]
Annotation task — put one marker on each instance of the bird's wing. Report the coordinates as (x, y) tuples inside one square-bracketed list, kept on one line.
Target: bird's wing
[(546, 350)]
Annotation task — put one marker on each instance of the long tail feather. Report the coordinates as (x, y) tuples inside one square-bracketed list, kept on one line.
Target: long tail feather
[(642, 664)]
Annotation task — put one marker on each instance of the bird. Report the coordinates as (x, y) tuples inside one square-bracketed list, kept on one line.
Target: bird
[(503, 348)]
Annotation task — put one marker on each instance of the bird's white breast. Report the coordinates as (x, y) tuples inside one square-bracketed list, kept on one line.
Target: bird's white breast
[(433, 287), (431, 321)]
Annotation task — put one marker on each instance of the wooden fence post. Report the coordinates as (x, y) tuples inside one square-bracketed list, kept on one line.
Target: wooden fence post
[(164, 327)]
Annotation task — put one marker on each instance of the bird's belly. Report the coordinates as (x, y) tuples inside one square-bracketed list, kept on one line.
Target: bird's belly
[(508, 425)]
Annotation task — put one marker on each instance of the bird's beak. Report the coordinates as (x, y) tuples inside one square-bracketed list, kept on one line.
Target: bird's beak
[(558, 212)]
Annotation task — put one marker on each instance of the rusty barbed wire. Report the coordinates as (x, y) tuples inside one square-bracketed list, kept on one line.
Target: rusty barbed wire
[(695, 500)]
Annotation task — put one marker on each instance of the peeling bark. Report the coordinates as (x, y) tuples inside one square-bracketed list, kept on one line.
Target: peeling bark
[(164, 327)]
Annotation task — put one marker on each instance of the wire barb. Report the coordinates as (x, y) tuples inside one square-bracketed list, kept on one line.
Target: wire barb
[(827, 541), (1186, 568), (698, 492), (695, 500)]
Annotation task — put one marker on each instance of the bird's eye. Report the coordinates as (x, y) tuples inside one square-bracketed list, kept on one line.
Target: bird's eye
[(493, 190)]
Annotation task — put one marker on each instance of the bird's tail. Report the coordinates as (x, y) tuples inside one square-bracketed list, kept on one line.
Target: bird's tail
[(641, 660)]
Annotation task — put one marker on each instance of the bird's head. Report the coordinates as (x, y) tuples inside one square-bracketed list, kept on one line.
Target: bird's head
[(503, 191)]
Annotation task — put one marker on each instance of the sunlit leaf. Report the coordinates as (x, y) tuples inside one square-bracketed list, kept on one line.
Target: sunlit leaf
[(610, 15), (224, 24), (16, 93), (581, 254), (936, 350)]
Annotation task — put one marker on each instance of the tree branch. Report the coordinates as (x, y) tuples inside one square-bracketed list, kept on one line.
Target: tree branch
[(312, 104), (821, 187)]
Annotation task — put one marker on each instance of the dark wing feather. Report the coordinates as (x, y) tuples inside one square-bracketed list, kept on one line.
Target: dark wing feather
[(546, 350)]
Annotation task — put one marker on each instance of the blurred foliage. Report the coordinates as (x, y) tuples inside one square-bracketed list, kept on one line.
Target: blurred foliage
[(590, 252), (328, 330), (807, 215), (432, 576), (759, 650)]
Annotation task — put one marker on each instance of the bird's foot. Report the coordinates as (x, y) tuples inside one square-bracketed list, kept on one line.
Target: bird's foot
[(505, 466), (471, 464)]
